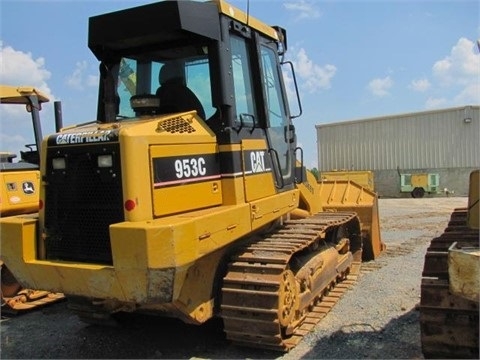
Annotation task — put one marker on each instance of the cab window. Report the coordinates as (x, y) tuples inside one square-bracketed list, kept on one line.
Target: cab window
[(244, 99), (138, 77)]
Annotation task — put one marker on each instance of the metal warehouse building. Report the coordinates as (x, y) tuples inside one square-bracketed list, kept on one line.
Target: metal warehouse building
[(444, 144)]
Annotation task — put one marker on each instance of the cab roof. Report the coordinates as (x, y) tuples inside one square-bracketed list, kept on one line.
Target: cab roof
[(19, 94), (167, 22)]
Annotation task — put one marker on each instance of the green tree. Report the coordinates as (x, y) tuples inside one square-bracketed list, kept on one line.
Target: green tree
[(315, 173)]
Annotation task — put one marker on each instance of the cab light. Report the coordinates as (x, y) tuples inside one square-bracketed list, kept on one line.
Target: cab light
[(59, 163), (104, 161)]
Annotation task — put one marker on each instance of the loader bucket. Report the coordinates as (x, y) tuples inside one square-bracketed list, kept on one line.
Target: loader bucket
[(345, 195)]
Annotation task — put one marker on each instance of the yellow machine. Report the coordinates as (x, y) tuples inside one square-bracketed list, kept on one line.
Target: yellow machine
[(361, 177), (20, 180), (449, 302), (419, 184), (19, 194), (187, 197)]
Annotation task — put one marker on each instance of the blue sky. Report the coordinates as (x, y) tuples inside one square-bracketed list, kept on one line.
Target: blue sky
[(353, 59)]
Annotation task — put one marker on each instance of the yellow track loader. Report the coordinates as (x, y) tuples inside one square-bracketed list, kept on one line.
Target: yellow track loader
[(20, 180), (187, 197), (19, 193), (450, 290)]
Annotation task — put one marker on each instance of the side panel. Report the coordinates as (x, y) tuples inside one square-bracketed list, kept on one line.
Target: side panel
[(232, 174), (185, 178), (257, 170), (19, 193), (419, 180)]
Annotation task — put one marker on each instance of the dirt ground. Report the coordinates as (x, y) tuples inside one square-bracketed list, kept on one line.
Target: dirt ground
[(375, 319)]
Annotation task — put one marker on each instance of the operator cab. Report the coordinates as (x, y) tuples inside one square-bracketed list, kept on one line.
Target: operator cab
[(213, 59)]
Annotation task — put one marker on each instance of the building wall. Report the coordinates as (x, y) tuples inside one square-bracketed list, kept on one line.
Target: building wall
[(444, 141), (455, 180)]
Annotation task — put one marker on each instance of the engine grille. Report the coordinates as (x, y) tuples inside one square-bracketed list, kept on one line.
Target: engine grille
[(81, 202), (176, 126)]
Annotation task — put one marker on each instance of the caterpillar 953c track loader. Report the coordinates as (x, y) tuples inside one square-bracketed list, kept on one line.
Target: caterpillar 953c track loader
[(450, 285), (19, 193), (187, 196)]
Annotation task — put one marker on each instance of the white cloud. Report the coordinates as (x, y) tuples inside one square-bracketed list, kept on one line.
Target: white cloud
[(380, 87), (303, 8), (420, 85), (18, 68), (75, 79), (458, 74), (461, 67), (469, 95), (289, 86), (9, 142), (78, 80), (435, 103), (92, 80), (21, 69), (314, 77)]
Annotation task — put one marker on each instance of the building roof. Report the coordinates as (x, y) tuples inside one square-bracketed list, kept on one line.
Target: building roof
[(399, 116)]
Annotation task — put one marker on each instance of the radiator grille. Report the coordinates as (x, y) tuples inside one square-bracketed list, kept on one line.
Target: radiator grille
[(80, 204)]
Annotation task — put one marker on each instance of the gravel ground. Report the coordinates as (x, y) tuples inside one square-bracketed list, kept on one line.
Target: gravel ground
[(376, 319)]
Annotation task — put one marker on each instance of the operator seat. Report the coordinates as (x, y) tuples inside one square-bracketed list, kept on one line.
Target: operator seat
[(174, 95)]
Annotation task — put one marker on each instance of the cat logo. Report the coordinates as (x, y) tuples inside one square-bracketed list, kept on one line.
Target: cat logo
[(257, 159), (28, 187)]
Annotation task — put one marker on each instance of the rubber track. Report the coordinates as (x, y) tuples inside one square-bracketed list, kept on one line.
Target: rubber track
[(448, 323), (251, 287)]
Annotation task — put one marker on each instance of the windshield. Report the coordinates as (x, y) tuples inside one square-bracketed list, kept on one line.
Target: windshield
[(144, 76)]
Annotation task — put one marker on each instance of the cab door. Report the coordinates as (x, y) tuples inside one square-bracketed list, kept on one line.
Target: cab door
[(280, 131), (261, 108)]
